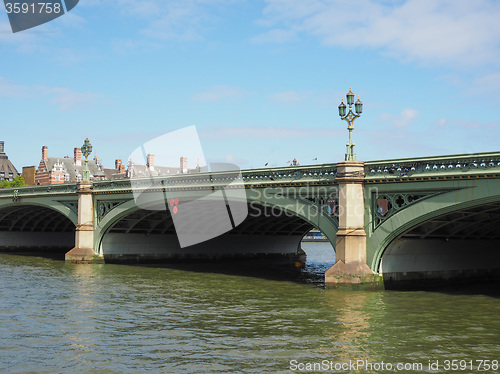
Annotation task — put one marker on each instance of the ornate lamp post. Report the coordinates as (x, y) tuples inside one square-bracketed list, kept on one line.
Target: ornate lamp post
[(349, 118), (84, 252), (86, 151)]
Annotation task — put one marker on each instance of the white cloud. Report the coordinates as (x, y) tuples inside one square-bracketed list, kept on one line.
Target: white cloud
[(39, 40), (26, 41), (404, 119), (442, 122), (181, 20), (134, 46), (457, 32), (68, 99), (64, 98), (287, 97), (476, 125), (139, 8), (10, 89), (71, 19), (275, 36), (217, 93), (486, 85)]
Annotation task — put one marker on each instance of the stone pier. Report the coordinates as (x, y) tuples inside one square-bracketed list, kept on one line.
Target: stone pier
[(83, 252), (350, 246)]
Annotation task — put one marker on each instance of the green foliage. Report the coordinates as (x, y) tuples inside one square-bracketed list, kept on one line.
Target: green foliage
[(16, 182)]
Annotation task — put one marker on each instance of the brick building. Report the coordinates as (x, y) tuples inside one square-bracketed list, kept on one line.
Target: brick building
[(56, 170)]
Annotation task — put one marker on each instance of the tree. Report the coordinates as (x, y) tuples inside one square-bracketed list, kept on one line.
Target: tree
[(16, 182)]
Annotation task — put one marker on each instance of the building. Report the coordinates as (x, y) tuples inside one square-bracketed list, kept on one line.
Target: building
[(29, 175), (56, 170), (118, 172), (150, 169), (7, 169)]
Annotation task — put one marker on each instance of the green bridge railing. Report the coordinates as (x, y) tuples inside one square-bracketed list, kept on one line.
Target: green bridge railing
[(476, 163)]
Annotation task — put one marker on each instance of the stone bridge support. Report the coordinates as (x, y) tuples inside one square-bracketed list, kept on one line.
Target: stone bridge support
[(350, 247), (83, 252)]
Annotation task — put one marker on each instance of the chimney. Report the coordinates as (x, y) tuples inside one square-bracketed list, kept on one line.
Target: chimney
[(119, 166), (45, 152), (78, 156), (150, 162), (184, 165)]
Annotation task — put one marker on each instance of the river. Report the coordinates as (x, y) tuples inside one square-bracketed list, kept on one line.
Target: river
[(64, 318)]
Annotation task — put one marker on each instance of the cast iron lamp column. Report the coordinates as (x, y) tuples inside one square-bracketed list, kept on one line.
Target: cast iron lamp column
[(86, 151), (349, 118)]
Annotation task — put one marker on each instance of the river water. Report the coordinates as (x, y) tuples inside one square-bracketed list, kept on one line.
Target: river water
[(63, 318)]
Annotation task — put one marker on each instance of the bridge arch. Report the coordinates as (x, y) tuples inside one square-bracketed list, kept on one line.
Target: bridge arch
[(281, 220), (45, 226), (441, 234), (63, 207)]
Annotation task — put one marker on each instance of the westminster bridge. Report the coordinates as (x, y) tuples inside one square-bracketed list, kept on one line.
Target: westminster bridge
[(406, 219)]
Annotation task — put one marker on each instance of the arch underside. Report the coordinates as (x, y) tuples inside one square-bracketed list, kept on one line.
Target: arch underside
[(459, 245), (147, 235), (32, 227)]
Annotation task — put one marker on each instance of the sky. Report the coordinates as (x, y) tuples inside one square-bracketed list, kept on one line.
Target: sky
[(260, 80)]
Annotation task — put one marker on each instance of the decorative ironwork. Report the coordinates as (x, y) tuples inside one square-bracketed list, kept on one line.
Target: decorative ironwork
[(104, 207), (328, 205), (73, 206), (386, 205)]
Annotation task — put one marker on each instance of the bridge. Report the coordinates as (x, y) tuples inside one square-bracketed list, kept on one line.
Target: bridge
[(403, 220)]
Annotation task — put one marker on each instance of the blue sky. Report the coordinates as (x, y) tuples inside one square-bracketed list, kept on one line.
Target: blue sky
[(261, 80)]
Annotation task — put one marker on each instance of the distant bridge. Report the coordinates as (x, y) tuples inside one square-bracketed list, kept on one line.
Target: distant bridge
[(416, 218)]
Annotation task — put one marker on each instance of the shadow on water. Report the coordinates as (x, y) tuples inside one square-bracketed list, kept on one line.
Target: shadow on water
[(51, 254), (320, 257), (485, 283), (254, 269), (487, 287), (312, 273)]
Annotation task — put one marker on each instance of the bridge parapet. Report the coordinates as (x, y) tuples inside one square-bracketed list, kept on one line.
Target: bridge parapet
[(28, 191), (310, 173), (250, 178), (112, 185), (455, 165)]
